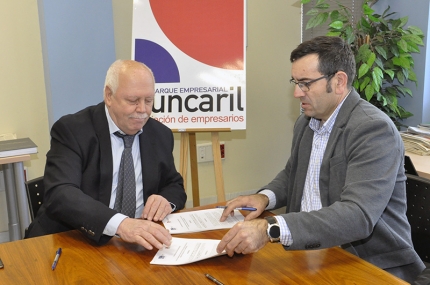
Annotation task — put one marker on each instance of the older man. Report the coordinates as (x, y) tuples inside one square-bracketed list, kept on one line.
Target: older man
[(88, 181)]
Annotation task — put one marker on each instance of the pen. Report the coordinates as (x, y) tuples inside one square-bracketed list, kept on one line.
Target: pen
[(213, 279), (241, 208), (57, 256)]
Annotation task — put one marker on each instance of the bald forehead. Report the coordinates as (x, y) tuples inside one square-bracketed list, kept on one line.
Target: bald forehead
[(129, 65), (134, 68)]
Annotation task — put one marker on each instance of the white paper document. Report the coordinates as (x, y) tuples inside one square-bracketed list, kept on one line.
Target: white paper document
[(184, 251), (199, 221)]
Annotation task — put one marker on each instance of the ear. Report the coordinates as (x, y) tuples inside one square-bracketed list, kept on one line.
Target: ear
[(341, 81), (108, 96)]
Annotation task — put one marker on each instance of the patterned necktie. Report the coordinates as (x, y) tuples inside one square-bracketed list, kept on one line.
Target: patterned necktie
[(125, 201)]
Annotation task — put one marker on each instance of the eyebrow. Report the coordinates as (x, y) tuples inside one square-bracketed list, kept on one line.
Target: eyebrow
[(302, 79)]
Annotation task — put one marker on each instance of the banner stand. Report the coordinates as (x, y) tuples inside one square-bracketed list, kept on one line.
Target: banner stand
[(188, 138)]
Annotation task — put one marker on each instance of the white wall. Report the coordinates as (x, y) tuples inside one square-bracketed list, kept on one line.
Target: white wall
[(23, 106)]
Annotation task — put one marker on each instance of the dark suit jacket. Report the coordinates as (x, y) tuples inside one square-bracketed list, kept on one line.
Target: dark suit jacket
[(78, 173), (362, 189)]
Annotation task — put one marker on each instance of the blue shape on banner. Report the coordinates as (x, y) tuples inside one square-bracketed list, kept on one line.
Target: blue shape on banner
[(158, 59)]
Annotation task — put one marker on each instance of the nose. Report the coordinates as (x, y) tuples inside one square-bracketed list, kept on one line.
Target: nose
[(140, 106), (298, 92)]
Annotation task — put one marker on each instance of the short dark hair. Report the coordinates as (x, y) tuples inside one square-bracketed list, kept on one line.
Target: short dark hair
[(334, 54)]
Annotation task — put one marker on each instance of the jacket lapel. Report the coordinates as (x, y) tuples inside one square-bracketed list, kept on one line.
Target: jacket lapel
[(301, 162), (106, 164), (147, 154), (341, 120)]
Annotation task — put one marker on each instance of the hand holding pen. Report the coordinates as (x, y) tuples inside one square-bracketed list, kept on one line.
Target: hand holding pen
[(255, 204)]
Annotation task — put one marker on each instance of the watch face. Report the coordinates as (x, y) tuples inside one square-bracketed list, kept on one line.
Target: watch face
[(274, 231)]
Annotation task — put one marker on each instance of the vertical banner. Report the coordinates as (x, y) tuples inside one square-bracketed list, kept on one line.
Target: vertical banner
[(196, 50)]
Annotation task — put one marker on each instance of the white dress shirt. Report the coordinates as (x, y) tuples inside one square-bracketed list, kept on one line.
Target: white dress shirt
[(117, 149)]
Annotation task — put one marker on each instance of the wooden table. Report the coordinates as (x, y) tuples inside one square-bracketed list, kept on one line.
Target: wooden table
[(421, 163), (29, 262)]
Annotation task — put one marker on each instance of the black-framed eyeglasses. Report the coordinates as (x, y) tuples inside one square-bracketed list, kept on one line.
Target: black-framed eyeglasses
[(305, 85)]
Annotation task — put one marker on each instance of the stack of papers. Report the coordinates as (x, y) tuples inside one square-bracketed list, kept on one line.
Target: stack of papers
[(420, 130), (199, 221), (15, 147), (417, 140), (184, 250)]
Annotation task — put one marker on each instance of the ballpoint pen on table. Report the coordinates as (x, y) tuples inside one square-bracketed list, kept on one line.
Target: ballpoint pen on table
[(240, 208), (57, 256), (214, 279)]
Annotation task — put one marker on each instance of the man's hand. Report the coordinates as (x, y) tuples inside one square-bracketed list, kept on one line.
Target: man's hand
[(258, 201), (146, 233), (156, 208), (244, 237)]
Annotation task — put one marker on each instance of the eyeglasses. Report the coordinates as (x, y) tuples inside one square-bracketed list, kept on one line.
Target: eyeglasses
[(305, 86)]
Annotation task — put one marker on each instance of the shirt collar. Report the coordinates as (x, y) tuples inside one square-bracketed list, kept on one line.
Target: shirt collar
[(314, 124)]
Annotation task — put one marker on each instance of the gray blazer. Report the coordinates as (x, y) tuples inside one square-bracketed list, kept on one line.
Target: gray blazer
[(362, 187)]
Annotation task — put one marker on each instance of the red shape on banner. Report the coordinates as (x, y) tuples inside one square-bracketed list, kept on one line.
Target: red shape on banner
[(208, 31)]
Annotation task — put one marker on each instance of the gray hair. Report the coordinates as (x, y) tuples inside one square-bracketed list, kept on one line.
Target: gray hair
[(112, 75)]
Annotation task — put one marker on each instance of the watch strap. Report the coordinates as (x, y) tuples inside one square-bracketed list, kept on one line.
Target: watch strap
[(271, 220), (271, 229)]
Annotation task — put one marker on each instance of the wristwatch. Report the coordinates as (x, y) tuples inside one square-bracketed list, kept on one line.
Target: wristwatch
[(273, 229)]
